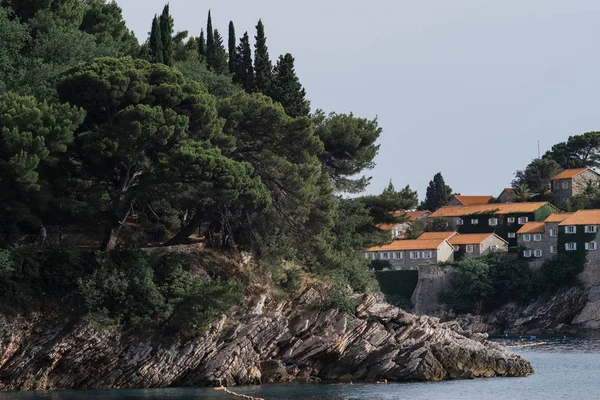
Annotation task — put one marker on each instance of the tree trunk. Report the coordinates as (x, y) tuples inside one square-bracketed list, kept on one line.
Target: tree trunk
[(112, 233), (191, 227)]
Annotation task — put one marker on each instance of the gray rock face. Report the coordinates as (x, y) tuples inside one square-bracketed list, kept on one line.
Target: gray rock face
[(380, 342)]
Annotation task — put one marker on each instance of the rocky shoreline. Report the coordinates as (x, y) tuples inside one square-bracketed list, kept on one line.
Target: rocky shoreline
[(41, 352)]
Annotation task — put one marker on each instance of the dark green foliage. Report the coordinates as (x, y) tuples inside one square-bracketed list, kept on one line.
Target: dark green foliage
[(398, 286), (156, 42), (349, 148), (231, 48), (481, 284), (438, 194), (217, 57), (537, 176), (202, 46), (263, 69), (578, 151), (13, 39), (286, 88), (166, 35), (244, 71), (380, 265)]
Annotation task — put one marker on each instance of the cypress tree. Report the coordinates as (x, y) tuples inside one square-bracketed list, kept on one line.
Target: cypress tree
[(218, 60), (166, 33), (287, 89), (155, 42), (438, 194), (202, 46), (231, 47), (263, 69), (210, 40), (244, 71)]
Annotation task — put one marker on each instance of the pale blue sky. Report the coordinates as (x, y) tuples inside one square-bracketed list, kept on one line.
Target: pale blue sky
[(465, 87)]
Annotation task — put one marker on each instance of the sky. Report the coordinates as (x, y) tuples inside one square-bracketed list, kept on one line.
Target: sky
[(461, 87)]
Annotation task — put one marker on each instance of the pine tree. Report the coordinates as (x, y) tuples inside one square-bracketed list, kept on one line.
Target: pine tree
[(263, 68), (438, 194), (155, 43), (202, 46), (231, 47), (210, 40), (244, 71), (217, 62), (287, 89), (166, 34)]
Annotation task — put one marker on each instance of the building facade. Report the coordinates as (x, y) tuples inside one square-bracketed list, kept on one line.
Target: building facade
[(410, 254), (477, 244), (574, 182)]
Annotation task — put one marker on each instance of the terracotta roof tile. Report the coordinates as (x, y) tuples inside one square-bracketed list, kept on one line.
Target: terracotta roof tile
[(532, 227), (436, 235), (558, 217), (569, 173), (498, 209), (413, 215), (469, 238), (399, 245), (583, 217), (470, 200)]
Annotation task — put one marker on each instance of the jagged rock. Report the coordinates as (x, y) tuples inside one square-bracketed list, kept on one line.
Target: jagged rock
[(40, 352)]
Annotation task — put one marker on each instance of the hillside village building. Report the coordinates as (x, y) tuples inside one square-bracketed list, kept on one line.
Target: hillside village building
[(460, 200), (398, 230), (502, 219), (477, 244), (574, 182), (507, 196)]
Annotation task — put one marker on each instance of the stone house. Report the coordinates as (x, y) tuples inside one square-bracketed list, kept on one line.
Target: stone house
[(538, 241), (410, 254), (502, 219), (460, 200), (398, 230), (477, 244), (507, 196), (573, 182), (579, 233)]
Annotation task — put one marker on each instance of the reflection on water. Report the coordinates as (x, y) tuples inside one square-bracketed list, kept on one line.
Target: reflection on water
[(567, 367), (585, 343)]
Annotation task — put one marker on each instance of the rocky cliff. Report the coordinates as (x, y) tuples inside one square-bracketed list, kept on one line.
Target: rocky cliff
[(42, 351)]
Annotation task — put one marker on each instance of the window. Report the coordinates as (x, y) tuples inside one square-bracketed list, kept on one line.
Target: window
[(553, 232), (512, 235), (427, 254), (494, 247), (556, 185), (385, 256), (527, 237), (474, 221), (565, 185), (398, 255), (590, 229), (523, 220), (510, 220), (366, 255), (553, 249), (456, 247), (591, 246), (373, 256), (537, 237), (527, 253), (459, 222), (570, 229), (469, 248), (493, 221), (414, 255), (570, 246), (537, 253), (595, 184)]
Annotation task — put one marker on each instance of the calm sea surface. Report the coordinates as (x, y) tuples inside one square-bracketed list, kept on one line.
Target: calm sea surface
[(566, 368)]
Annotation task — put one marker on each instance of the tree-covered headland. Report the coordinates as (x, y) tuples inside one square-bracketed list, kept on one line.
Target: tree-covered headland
[(110, 145)]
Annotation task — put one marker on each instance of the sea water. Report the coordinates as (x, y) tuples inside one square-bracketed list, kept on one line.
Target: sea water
[(565, 368)]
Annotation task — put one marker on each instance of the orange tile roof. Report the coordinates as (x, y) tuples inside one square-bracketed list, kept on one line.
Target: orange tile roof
[(470, 238), (470, 200), (569, 173), (399, 245), (558, 217), (436, 235), (498, 209), (388, 227), (532, 227), (583, 217), (413, 215)]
